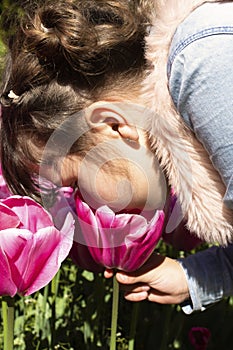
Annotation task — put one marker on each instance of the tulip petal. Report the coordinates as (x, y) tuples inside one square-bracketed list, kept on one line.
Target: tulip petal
[(7, 286), (88, 224), (113, 229), (143, 246), (63, 204), (12, 244), (32, 215), (7, 217), (49, 250), (105, 217)]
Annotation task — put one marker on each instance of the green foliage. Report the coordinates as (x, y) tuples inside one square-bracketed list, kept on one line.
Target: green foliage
[(2, 54), (11, 12)]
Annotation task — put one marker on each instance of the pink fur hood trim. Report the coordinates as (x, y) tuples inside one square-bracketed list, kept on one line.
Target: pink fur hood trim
[(186, 163)]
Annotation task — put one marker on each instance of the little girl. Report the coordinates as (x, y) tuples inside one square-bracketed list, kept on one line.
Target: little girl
[(122, 100)]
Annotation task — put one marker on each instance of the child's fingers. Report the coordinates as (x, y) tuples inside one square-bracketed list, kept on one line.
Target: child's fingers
[(108, 273)]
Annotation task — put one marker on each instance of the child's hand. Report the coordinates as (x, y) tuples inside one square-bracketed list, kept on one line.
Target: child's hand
[(160, 280)]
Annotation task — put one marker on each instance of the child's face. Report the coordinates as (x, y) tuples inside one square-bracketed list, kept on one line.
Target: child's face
[(122, 177), (120, 170)]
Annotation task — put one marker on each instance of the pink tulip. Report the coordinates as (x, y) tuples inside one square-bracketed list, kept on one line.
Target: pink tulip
[(79, 253), (63, 205), (122, 241), (199, 337), (31, 247)]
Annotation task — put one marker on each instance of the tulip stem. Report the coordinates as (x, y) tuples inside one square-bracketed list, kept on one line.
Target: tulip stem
[(133, 325), (54, 291), (8, 322), (115, 301)]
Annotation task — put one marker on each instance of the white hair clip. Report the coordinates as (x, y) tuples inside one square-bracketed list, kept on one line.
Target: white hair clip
[(12, 95), (46, 30)]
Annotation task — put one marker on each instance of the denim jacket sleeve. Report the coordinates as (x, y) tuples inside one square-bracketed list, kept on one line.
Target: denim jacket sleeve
[(210, 277), (201, 83), (200, 76)]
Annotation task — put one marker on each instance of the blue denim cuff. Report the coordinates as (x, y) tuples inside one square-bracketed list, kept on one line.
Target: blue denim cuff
[(209, 279)]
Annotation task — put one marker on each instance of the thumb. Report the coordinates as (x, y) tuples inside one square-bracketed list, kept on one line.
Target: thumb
[(125, 278)]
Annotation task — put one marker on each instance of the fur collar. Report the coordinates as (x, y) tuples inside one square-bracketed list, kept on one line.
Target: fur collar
[(186, 163)]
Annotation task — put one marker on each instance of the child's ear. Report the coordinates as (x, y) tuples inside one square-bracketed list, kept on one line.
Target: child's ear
[(111, 120)]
